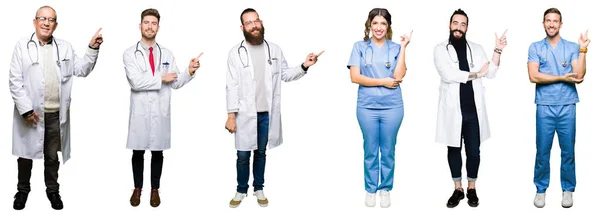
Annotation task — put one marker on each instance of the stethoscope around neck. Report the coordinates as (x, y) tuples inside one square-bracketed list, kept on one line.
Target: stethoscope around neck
[(544, 60), (472, 65), (137, 49), (37, 54), (247, 56), (388, 64)]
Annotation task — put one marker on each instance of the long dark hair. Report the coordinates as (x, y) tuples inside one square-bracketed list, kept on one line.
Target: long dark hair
[(379, 12)]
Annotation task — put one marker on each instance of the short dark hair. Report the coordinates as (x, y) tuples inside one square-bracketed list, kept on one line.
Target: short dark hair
[(459, 12), (247, 10), (150, 12), (552, 10)]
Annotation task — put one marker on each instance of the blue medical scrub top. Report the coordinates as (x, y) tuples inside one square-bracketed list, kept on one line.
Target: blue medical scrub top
[(371, 59), (551, 62)]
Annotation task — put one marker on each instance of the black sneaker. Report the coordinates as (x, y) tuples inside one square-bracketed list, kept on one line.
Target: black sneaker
[(472, 196), (55, 200), (20, 200), (455, 198)]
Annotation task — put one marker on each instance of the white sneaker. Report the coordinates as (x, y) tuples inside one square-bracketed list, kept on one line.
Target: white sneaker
[(567, 200), (540, 200), (370, 199), (385, 199), (237, 199), (261, 199)]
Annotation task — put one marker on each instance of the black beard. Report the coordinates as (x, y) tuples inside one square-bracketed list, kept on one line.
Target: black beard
[(462, 41), (255, 40)]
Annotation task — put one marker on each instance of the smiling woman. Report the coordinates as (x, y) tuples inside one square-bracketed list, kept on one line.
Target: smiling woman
[(377, 65)]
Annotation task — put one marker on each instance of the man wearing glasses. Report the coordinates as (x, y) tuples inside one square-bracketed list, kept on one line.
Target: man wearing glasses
[(255, 70), (40, 80)]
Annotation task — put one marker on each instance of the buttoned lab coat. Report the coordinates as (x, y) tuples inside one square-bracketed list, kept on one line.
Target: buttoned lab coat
[(449, 116), (240, 90), (150, 99), (26, 82)]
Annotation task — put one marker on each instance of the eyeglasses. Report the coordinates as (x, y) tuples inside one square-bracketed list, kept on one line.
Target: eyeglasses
[(43, 19), (256, 22)]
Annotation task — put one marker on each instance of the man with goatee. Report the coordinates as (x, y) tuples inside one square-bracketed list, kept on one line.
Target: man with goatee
[(256, 68), (462, 116)]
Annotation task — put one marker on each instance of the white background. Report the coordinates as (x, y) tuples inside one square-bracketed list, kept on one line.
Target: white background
[(319, 168)]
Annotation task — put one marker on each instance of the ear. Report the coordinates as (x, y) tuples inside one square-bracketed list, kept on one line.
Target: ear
[(140, 26), (242, 27)]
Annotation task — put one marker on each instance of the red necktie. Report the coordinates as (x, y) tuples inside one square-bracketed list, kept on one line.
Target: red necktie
[(152, 61)]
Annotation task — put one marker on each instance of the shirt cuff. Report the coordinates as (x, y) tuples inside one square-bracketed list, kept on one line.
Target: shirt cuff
[(27, 114), (305, 69)]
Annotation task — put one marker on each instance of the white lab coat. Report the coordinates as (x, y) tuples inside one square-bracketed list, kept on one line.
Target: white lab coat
[(150, 99), (240, 90), (449, 117), (27, 88)]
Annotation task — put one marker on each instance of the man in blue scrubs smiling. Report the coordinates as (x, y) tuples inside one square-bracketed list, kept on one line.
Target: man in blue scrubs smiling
[(556, 65)]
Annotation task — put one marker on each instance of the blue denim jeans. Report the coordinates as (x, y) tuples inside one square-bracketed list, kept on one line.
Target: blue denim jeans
[(260, 158)]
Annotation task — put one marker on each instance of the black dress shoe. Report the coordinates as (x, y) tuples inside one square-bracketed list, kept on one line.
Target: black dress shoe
[(55, 200), (456, 197), (20, 200), (473, 200)]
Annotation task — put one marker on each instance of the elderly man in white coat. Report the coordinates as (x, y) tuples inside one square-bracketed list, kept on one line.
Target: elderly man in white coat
[(40, 80), (151, 72), (461, 110), (255, 70)]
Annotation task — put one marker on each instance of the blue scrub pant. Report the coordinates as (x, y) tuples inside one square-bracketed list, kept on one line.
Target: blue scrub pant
[(380, 129), (260, 158), (551, 119)]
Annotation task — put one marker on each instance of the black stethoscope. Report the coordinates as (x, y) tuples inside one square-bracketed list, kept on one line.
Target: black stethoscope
[(388, 64), (138, 50), (544, 60), (37, 54), (248, 58), (470, 53)]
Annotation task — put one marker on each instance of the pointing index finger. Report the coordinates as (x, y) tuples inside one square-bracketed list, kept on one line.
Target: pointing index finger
[(200, 55), (504, 34), (97, 32), (320, 53)]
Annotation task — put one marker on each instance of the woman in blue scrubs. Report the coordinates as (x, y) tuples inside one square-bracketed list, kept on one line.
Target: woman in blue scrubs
[(377, 65)]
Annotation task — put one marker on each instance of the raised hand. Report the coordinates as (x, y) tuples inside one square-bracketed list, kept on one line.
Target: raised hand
[(311, 59), (96, 39), (404, 39), (194, 64), (501, 41), (584, 41)]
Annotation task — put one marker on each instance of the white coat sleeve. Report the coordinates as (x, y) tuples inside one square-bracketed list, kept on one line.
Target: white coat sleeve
[(182, 78), (290, 74), (492, 68), (444, 67), (17, 84), (84, 66), (232, 86), (136, 78)]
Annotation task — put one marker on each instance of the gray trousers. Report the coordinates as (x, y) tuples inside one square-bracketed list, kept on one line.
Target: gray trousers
[(51, 163)]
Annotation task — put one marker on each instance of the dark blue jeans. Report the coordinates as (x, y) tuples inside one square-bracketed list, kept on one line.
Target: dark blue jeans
[(470, 135), (260, 156)]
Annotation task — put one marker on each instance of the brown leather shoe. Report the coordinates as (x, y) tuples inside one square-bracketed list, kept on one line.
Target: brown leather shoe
[(135, 197), (154, 198)]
